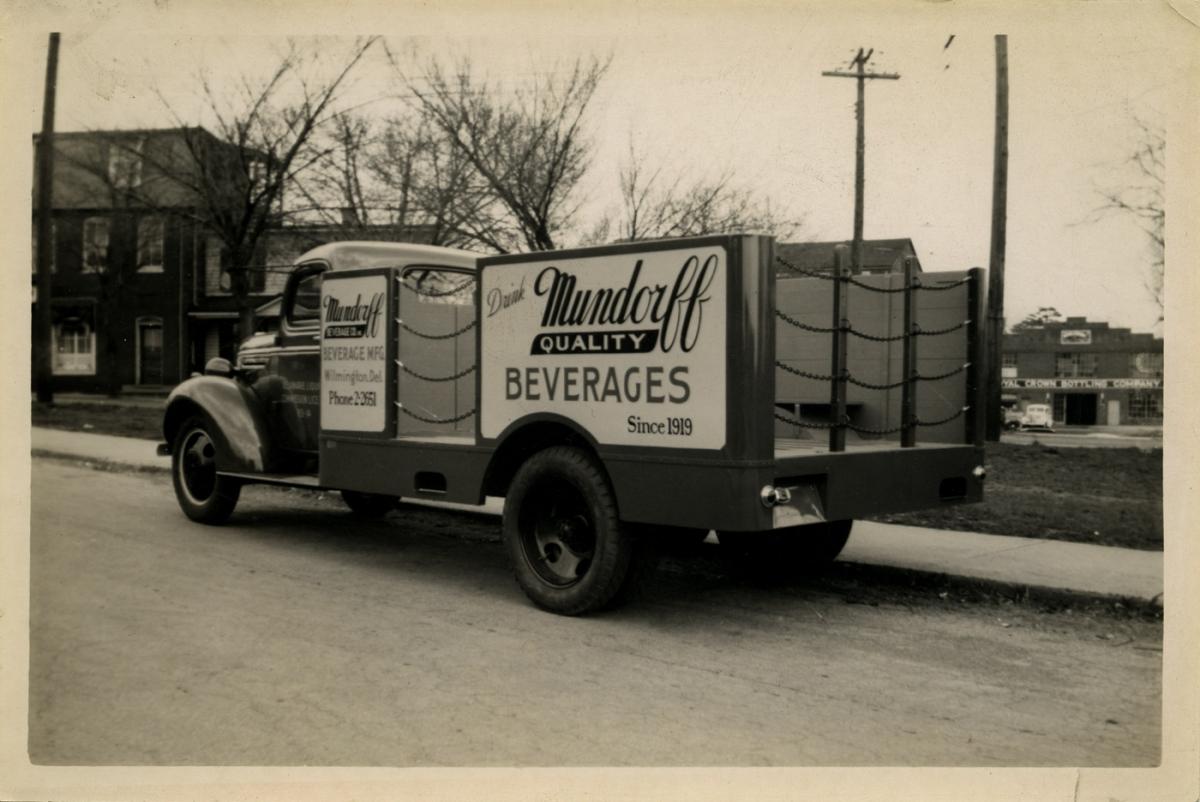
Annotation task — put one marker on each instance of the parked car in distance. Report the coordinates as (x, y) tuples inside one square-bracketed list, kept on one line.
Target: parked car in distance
[(1037, 416)]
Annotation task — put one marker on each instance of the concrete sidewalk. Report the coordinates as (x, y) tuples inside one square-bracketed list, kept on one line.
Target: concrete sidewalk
[(147, 399), (1016, 561)]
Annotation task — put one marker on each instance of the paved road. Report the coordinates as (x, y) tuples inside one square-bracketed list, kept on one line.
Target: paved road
[(296, 635)]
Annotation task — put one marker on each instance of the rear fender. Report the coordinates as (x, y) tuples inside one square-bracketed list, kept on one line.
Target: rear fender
[(236, 416)]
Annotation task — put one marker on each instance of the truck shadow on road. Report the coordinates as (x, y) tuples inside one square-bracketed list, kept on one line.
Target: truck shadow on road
[(424, 549)]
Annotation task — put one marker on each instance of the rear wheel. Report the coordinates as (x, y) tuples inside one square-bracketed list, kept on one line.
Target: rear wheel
[(783, 553), (368, 505), (203, 494), (569, 551)]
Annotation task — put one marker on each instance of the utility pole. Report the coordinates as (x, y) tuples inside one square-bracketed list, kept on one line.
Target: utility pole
[(995, 297), (862, 76), (43, 373)]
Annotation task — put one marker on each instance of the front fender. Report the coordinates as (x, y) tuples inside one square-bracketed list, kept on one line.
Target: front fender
[(238, 421)]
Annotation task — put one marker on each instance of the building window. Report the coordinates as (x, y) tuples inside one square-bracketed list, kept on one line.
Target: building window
[(125, 164), (1074, 365), (95, 245), (53, 247), (1060, 408), (1147, 365), (217, 277), (257, 173), (1008, 366), (216, 280), (1145, 406), (256, 278), (73, 340), (150, 245), (148, 332)]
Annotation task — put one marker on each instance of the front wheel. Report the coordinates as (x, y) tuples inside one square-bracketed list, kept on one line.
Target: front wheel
[(569, 551), (203, 494), (782, 553)]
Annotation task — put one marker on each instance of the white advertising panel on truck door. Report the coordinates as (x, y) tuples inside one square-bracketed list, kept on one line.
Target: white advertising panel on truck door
[(354, 330), (630, 346)]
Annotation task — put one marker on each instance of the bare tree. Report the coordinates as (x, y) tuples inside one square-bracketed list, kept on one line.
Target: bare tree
[(337, 187), (1035, 321), (527, 146), (1143, 200), (658, 205), (232, 181), (433, 183), (403, 172)]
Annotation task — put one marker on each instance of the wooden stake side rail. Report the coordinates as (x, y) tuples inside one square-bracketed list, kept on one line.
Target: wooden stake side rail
[(908, 392), (840, 325), (968, 323)]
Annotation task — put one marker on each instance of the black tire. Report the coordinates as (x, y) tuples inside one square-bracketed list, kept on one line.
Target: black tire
[(203, 495), (783, 554), (568, 549), (368, 505)]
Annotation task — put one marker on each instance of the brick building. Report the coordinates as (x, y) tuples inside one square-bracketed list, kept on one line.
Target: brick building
[(1090, 373), (140, 290)]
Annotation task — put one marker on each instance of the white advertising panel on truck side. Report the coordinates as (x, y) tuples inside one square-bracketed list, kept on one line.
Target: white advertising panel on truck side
[(629, 346)]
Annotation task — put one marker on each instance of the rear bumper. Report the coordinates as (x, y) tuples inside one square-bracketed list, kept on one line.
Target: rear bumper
[(855, 484), (822, 486)]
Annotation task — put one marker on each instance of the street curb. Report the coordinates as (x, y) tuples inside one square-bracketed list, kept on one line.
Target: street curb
[(923, 581), (107, 464), (926, 581)]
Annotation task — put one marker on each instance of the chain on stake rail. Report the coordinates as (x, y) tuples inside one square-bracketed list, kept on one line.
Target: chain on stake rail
[(436, 421), (841, 377), (429, 293), (917, 285), (867, 385), (432, 293), (425, 336), (423, 377), (846, 424)]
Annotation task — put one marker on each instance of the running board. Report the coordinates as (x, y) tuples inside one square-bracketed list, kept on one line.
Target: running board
[(290, 480)]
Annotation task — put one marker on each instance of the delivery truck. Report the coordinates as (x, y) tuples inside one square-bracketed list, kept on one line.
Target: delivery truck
[(609, 394)]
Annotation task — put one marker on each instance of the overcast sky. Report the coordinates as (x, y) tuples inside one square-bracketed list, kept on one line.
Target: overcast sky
[(705, 91)]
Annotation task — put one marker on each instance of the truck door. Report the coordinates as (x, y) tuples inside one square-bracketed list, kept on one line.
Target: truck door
[(292, 392)]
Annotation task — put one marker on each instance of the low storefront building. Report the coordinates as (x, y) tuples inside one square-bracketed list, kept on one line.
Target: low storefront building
[(1089, 373)]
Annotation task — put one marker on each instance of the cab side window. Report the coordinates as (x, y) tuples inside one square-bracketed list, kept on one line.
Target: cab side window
[(305, 307)]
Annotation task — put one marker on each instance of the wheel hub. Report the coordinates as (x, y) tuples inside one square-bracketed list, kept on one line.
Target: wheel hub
[(198, 466), (564, 545)]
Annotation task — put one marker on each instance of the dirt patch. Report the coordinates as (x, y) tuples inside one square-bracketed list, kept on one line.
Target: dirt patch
[(1104, 496), (122, 420)]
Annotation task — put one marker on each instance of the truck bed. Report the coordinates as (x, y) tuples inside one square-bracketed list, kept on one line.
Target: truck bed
[(792, 447), (438, 439)]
